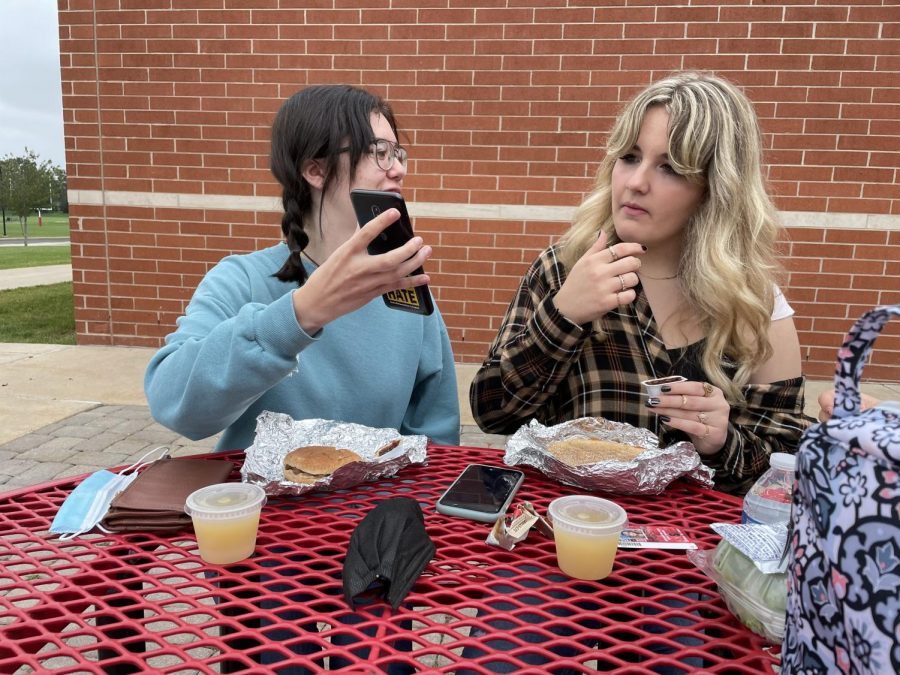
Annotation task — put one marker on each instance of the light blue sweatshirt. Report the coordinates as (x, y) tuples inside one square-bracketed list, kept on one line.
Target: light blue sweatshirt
[(239, 350)]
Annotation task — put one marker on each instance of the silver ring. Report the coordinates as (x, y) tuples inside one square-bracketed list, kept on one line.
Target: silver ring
[(612, 252), (622, 281)]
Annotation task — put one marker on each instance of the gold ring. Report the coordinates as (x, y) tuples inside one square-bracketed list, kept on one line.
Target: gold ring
[(622, 281), (707, 431), (707, 389), (701, 417), (612, 253), (683, 401)]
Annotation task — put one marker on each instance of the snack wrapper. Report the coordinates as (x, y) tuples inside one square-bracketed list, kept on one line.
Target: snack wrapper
[(647, 474), (277, 434), (762, 543), (514, 527)]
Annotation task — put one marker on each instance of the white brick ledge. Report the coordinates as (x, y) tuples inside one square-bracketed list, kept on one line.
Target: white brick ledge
[(555, 214)]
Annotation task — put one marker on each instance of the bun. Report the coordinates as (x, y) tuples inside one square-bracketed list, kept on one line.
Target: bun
[(579, 451), (310, 463)]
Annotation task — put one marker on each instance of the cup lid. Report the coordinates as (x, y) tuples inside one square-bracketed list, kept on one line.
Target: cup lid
[(587, 514), (225, 500)]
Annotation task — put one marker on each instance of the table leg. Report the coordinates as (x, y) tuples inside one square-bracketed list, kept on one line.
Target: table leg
[(236, 644)]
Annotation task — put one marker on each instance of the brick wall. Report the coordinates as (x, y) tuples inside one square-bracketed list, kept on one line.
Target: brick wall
[(505, 105)]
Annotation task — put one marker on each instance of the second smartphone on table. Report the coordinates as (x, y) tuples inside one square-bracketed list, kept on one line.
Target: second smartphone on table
[(481, 492)]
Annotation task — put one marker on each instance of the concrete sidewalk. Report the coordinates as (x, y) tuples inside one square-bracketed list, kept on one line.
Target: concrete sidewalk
[(21, 277)]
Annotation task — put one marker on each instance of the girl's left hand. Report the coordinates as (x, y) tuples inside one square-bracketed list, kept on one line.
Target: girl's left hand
[(697, 408)]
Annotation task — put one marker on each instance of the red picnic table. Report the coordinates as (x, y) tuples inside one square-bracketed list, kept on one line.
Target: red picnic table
[(147, 602)]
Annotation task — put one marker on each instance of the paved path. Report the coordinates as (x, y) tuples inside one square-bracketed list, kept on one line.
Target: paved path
[(21, 277), (35, 241)]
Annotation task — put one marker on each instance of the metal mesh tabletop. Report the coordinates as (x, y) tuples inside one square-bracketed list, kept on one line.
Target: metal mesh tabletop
[(135, 603)]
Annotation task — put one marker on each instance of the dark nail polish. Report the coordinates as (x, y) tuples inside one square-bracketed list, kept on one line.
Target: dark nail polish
[(652, 401), (643, 247), (664, 419), (666, 388)]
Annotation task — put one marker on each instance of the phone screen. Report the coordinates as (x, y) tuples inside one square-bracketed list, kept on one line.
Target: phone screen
[(482, 488)]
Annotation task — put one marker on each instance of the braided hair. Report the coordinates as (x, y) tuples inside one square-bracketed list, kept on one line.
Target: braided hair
[(319, 122)]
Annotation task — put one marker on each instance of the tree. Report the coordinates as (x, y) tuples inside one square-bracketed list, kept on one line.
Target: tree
[(28, 184), (59, 193)]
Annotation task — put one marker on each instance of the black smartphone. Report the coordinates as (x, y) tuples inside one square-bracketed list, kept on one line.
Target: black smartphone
[(369, 204), (481, 492)]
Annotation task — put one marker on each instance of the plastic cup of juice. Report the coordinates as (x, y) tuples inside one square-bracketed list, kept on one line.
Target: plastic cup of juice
[(226, 519), (586, 530)]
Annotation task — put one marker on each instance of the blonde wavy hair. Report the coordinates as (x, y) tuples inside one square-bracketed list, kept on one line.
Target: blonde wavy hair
[(728, 265)]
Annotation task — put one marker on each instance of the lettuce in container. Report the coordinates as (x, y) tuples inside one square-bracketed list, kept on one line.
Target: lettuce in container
[(758, 600)]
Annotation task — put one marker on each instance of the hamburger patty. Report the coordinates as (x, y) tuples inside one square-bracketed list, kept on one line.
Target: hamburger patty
[(308, 464)]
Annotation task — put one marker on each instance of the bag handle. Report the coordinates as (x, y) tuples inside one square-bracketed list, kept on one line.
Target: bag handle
[(852, 357)]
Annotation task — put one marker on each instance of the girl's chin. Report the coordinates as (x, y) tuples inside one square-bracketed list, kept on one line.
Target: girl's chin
[(626, 234)]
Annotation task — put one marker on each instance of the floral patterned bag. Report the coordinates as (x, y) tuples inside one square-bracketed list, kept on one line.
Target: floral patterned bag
[(843, 607)]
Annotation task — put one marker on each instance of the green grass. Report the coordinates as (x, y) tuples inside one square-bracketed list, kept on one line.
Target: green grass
[(38, 314), (34, 256), (53, 225)]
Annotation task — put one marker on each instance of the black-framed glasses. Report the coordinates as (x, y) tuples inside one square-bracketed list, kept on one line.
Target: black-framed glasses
[(384, 152)]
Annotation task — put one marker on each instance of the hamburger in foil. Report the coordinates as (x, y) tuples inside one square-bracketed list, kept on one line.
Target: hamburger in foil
[(599, 455), (292, 457)]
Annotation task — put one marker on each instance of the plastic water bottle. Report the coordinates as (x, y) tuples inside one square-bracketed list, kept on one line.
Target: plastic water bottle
[(769, 500)]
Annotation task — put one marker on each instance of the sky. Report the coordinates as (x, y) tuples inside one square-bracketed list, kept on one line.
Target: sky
[(30, 91)]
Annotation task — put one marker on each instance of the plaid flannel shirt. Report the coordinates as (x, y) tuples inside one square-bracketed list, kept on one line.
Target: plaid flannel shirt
[(542, 366)]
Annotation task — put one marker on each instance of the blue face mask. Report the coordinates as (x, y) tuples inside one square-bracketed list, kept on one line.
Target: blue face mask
[(86, 505)]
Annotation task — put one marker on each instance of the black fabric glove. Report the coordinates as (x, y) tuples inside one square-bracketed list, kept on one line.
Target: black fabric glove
[(390, 546)]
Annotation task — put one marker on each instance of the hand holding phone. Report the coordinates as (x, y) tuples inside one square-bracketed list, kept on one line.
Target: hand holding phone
[(481, 492), (370, 203)]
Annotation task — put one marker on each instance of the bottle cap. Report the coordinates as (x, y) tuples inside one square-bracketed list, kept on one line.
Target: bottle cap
[(892, 406), (783, 461)]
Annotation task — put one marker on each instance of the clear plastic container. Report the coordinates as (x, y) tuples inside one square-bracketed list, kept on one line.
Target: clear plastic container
[(758, 600), (586, 530), (769, 500), (226, 519)]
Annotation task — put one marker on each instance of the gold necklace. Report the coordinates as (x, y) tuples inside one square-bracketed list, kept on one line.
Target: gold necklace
[(674, 276)]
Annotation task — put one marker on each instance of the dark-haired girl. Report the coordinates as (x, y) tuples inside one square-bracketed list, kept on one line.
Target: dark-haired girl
[(299, 327)]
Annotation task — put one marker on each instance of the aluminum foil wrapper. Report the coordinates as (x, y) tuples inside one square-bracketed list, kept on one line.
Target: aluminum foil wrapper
[(648, 474), (277, 434)]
